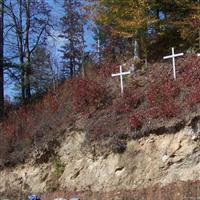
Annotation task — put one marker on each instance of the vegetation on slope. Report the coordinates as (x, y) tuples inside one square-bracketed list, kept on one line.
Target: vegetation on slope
[(153, 102)]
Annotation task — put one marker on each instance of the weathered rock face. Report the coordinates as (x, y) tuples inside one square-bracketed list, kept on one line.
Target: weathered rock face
[(154, 159)]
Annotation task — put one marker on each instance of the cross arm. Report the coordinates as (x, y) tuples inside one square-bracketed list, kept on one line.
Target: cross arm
[(126, 73), (173, 56), (121, 74), (113, 75)]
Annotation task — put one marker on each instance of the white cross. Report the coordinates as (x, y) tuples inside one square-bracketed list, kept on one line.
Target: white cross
[(121, 74), (173, 56)]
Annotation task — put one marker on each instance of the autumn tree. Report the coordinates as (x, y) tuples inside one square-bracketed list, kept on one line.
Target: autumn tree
[(126, 19), (145, 24), (190, 31)]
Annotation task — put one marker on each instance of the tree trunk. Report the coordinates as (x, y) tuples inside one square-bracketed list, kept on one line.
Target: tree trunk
[(199, 37), (27, 77), (136, 49), (1, 61), (83, 55), (21, 52), (27, 66), (22, 79)]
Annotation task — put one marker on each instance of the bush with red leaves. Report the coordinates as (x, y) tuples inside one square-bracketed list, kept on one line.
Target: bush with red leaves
[(193, 97), (107, 69), (161, 99), (135, 120), (126, 103), (87, 93)]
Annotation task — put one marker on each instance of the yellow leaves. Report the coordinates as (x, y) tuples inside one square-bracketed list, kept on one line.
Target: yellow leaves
[(123, 16), (131, 23)]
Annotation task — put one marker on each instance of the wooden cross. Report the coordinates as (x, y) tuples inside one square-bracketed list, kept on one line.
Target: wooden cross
[(173, 56), (121, 74)]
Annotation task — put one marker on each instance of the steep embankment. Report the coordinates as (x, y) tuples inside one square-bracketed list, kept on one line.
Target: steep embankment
[(147, 161), (148, 137)]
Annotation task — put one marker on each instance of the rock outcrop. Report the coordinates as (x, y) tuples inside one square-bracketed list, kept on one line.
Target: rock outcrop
[(154, 159)]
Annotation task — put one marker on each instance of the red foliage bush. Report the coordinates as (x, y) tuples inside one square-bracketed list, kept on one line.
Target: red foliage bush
[(126, 103), (87, 93), (161, 99), (189, 72), (19, 123), (107, 69), (38, 118), (169, 108), (9, 130), (135, 120), (193, 96), (161, 91)]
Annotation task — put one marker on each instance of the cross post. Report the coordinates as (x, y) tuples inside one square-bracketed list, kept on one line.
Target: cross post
[(173, 56), (121, 74)]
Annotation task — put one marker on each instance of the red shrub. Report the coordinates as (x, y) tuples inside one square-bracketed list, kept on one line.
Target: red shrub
[(190, 74), (87, 93), (161, 91), (53, 103), (9, 130), (135, 120), (193, 97), (107, 69), (126, 103), (169, 108), (153, 112), (161, 99)]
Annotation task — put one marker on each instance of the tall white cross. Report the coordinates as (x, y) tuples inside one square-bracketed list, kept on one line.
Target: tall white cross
[(121, 74), (173, 56)]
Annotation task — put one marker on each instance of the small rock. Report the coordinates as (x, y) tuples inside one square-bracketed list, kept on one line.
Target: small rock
[(164, 158), (194, 137)]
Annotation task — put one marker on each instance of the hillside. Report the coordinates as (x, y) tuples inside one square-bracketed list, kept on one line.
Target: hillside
[(86, 137)]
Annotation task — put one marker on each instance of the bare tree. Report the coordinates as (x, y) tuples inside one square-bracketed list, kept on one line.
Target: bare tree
[(27, 28)]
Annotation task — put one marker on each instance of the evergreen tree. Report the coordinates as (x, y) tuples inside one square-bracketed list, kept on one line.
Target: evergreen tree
[(43, 75), (73, 32)]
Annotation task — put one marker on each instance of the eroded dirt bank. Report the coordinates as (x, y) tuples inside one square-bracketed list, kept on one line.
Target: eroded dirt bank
[(156, 159)]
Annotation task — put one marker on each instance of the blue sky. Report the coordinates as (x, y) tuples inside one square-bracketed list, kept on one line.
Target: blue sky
[(56, 43), (58, 11)]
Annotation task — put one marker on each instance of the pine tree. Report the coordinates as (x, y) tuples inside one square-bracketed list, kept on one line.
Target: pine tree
[(73, 32), (43, 75)]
